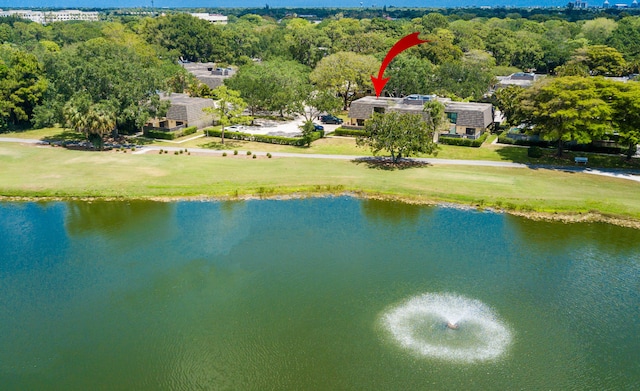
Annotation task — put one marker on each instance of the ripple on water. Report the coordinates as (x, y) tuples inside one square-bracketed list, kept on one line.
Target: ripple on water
[(419, 325)]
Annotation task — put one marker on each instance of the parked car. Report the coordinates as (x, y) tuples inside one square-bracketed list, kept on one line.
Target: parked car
[(330, 119), (236, 128), (318, 127)]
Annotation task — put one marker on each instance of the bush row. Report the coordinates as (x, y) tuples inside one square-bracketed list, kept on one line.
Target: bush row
[(503, 139), (298, 142), (464, 142), (349, 132), (166, 135)]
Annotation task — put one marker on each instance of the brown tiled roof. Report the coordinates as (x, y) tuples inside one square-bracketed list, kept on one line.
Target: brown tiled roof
[(475, 115), (185, 108)]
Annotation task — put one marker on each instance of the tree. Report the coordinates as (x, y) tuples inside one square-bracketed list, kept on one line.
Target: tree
[(625, 102), (565, 109), (346, 73), (409, 75), (191, 38), (437, 119), (228, 108), (306, 42), (399, 134), (274, 85), (22, 85), (94, 120), (308, 129), (509, 101), (106, 71), (598, 30), (463, 79)]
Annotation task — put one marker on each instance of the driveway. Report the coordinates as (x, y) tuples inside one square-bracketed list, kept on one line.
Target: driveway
[(280, 128)]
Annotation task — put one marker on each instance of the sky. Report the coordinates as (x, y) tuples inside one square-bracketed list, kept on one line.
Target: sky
[(276, 3)]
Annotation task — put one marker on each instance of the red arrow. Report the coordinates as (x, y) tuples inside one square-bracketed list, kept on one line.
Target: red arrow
[(403, 44)]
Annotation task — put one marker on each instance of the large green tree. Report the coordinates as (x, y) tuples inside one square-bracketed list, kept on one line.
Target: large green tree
[(275, 85), (625, 102), (191, 38), (107, 71), (22, 85), (346, 73), (400, 134), (409, 75), (566, 109)]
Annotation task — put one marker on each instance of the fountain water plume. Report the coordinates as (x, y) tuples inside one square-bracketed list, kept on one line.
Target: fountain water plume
[(448, 327)]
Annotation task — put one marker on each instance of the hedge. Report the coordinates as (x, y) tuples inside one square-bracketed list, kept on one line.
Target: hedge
[(349, 132), (169, 135), (159, 134), (464, 142), (503, 139), (189, 130), (260, 138)]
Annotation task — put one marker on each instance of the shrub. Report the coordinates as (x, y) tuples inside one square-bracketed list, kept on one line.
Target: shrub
[(224, 154), (464, 142), (534, 152), (189, 130), (159, 134), (269, 155), (298, 142), (133, 149), (181, 152), (254, 155), (235, 152), (349, 132), (175, 153), (248, 153)]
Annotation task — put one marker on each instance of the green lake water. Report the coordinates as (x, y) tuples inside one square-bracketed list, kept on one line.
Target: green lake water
[(300, 295)]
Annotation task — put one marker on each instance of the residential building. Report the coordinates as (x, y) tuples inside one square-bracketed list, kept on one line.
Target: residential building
[(208, 73), (45, 17), (467, 119), (522, 79), (184, 111)]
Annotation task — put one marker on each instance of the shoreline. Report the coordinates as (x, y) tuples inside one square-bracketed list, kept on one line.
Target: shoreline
[(559, 217)]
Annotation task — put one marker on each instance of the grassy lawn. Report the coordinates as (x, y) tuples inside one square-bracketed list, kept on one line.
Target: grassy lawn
[(347, 146), (56, 172)]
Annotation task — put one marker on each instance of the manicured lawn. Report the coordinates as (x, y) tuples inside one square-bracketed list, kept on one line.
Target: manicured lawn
[(347, 146), (45, 171)]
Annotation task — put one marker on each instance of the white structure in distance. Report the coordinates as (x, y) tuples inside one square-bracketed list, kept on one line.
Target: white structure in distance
[(45, 17)]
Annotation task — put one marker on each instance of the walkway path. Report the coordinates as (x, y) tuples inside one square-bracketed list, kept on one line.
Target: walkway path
[(633, 175)]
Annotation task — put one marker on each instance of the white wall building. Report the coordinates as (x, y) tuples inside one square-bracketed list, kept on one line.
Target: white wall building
[(212, 18), (52, 16)]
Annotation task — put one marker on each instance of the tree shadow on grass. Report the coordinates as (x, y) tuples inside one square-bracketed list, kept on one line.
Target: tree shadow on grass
[(228, 144), (67, 135), (381, 163)]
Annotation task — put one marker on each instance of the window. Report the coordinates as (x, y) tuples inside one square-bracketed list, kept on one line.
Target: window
[(453, 117), (378, 110), (471, 131)]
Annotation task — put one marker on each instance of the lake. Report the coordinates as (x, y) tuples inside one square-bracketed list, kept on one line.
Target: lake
[(312, 294)]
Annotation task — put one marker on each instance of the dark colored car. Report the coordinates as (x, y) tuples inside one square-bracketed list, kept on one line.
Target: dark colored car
[(318, 127), (330, 119)]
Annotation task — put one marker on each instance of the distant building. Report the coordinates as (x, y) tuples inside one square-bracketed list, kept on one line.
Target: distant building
[(522, 79), (212, 18), (579, 4), (45, 17), (208, 73)]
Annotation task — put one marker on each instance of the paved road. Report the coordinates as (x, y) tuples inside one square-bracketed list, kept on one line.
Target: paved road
[(633, 175)]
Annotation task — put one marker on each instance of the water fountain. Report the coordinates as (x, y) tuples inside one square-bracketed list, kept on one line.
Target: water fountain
[(447, 327)]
